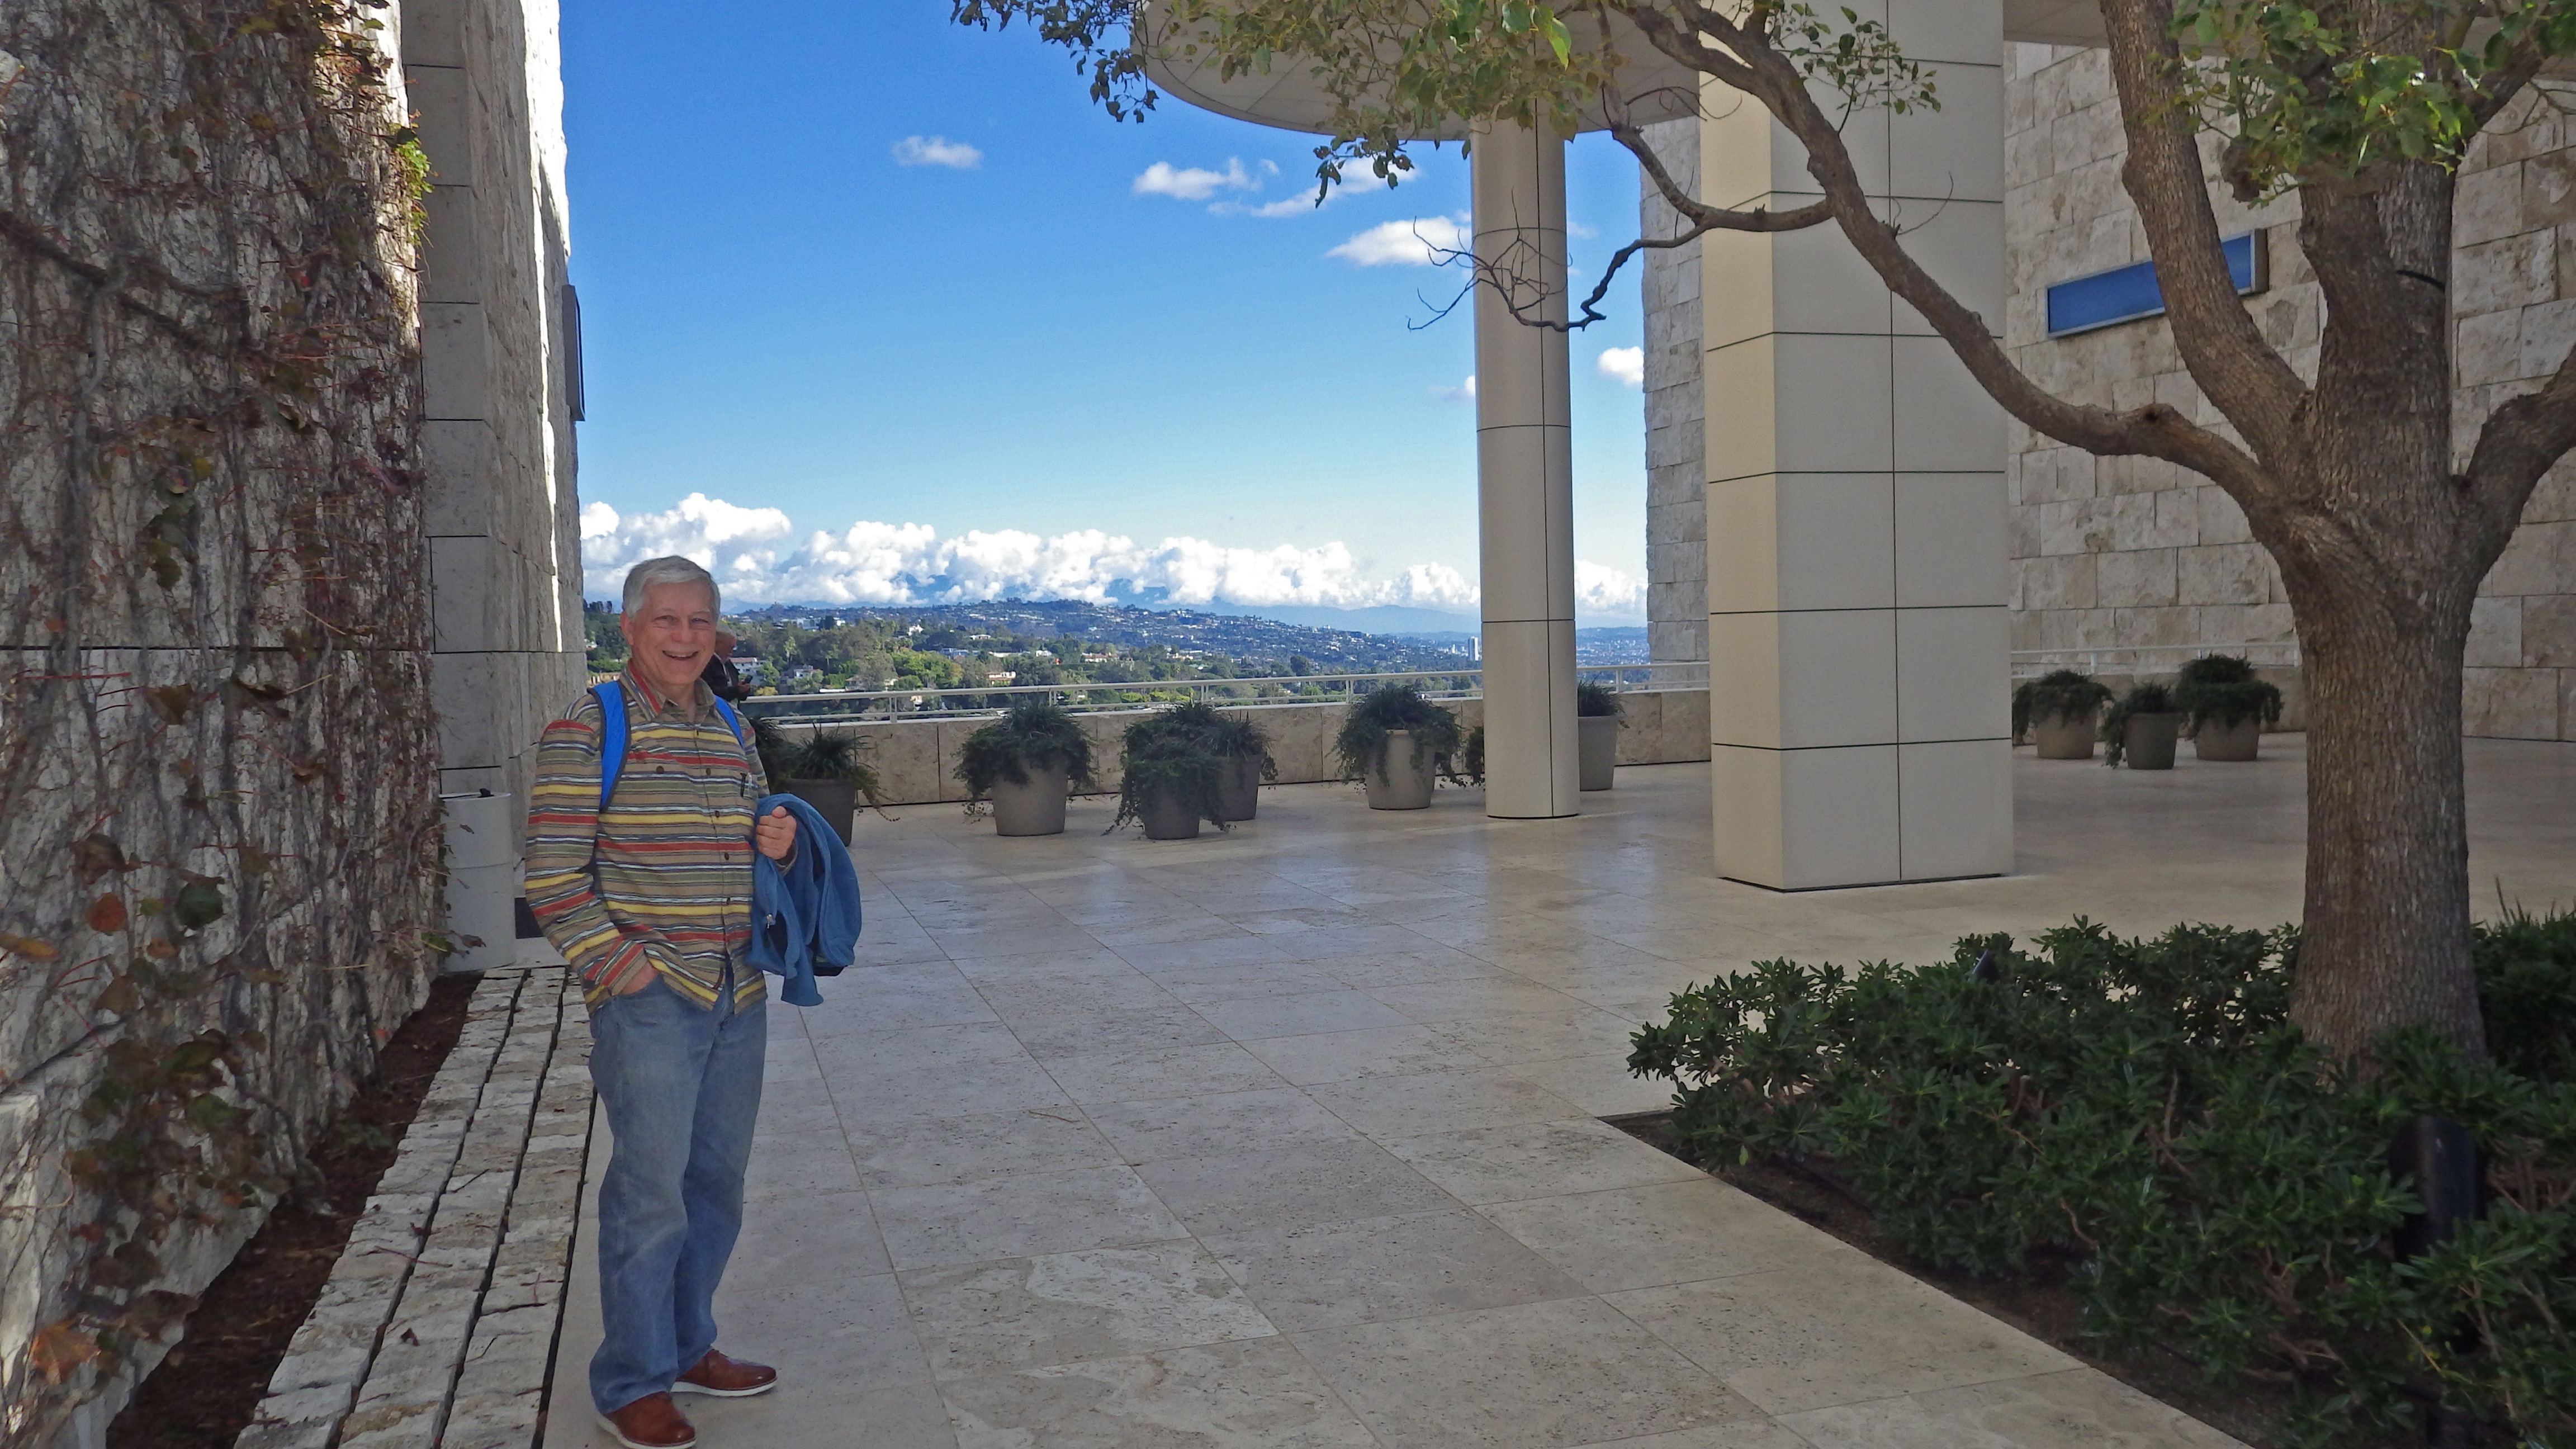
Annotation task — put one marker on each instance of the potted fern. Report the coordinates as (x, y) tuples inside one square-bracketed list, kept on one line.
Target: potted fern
[(824, 770), (1597, 722), (1025, 764), (1169, 780), (2140, 730), (2060, 709), (1241, 744), (1395, 742), (2224, 707)]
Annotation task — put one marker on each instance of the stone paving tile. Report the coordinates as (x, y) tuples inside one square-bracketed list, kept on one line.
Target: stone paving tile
[(1544, 1160), (1800, 1338), (1216, 1122), (1285, 1138), (438, 1323), (1367, 1269), (2073, 1410), (1673, 1231), (1530, 1376), (1044, 1212), (1297, 1186), (1070, 1307), (1258, 1394)]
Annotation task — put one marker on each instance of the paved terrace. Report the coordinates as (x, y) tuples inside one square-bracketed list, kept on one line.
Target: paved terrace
[(1287, 1139)]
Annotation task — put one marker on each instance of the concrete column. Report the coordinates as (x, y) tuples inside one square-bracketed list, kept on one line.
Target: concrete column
[(1524, 475), (1859, 637)]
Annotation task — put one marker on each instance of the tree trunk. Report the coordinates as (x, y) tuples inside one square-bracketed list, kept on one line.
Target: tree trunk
[(2385, 941)]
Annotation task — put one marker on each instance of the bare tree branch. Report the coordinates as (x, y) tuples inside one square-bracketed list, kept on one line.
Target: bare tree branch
[(2155, 430), (2522, 438), (2225, 352)]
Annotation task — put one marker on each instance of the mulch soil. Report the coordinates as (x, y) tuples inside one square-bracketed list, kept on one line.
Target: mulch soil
[(2039, 1301), (205, 1392)]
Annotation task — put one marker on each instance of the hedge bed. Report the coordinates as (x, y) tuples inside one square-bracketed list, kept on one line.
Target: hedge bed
[(2144, 1108)]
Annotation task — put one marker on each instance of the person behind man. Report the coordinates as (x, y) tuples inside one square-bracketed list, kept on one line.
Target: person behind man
[(649, 897)]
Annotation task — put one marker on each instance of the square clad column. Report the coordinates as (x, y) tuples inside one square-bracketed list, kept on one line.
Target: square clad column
[(1859, 639), (1524, 475)]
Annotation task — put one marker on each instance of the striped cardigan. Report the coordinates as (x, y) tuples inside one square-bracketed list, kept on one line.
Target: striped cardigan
[(660, 881)]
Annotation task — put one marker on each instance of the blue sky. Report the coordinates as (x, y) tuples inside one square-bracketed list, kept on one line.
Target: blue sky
[(782, 316)]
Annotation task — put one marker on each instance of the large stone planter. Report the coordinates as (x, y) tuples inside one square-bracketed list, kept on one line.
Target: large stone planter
[(1167, 817), (1402, 780), (835, 800), (2147, 740), (1239, 789), (1036, 808), (2232, 744), (2066, 737), (1597, 748)]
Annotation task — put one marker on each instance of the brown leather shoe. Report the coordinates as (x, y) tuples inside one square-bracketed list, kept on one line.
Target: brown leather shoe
[(726, 1378), (651, 1422)]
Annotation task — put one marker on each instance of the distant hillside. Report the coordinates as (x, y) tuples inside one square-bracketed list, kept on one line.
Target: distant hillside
[(1236, 636)]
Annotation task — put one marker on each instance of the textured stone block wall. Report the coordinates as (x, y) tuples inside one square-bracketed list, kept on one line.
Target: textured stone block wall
[(1676, 417), (497, 361), (218, 830), (2116, 552)]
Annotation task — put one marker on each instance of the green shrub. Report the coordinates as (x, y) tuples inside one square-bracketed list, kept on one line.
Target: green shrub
[(2146, 1106), (1361, 746), (1165, 763), (1593, 701), (2527, 986), (2058, 694), (821, 755), (1230, 736), (2141, 699), (2221, 689), (1036, 734)]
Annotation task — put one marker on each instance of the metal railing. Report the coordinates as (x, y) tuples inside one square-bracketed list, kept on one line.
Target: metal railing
[(2148, 658), (857, 706)]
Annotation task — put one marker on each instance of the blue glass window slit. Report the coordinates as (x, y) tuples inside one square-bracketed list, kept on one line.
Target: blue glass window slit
[(2126, 294)]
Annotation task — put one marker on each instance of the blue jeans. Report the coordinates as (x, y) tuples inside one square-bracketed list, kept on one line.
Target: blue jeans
[(682, 1088)]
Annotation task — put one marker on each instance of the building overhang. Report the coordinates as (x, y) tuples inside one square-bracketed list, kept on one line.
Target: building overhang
[(1653, 86)]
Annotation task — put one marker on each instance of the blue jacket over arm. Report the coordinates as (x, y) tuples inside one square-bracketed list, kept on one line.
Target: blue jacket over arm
[(805, 911)]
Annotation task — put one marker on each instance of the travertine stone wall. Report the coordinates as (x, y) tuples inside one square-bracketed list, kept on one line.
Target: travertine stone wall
[(2127, 552), (497, 363), (218, 837), (1676, 417)]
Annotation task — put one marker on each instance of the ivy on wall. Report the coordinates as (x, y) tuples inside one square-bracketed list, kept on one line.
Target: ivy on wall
[(218, 826)]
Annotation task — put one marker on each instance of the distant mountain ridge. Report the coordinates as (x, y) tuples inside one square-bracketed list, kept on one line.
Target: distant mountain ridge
[(1451, 639)]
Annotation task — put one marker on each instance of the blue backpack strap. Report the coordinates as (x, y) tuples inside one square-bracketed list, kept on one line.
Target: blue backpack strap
[(612, 737), (732, 721)]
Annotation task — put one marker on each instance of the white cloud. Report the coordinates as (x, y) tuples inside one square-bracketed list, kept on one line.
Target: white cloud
[(1625, 366), (1297, 205), (1600, 589), (1464, 392), (937, 151), (1191, 183), (756, 557), (1427, 241)]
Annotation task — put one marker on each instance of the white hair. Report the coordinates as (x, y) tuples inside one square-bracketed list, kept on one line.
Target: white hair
[(671, 570)]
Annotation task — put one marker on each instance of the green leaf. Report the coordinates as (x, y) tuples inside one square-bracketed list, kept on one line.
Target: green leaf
[(200, 904)]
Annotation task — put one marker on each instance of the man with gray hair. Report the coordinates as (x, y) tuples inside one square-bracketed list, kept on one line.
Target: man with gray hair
[(641, 830)]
